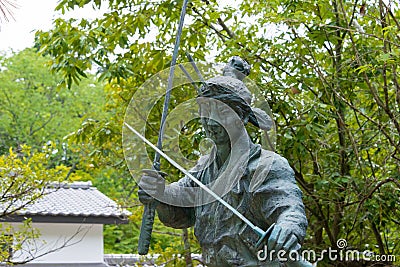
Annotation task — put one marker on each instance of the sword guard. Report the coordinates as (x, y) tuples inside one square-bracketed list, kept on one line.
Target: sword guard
[(263, 235), (255, 237)]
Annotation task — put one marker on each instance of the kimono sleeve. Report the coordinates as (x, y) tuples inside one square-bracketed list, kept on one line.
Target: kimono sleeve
[(181, 216), (278, 199)]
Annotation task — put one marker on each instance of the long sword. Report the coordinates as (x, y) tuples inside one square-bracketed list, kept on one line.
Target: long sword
[(149, 210), (261, 234)]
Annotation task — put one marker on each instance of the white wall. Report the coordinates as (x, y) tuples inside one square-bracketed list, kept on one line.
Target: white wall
[(73, 243)]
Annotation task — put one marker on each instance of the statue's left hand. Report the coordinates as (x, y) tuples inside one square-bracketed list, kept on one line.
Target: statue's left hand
[(282, 238)]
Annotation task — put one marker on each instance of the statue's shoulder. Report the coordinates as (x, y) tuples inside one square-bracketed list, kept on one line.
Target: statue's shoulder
[(269, 168), (270, 161), (268, 157)]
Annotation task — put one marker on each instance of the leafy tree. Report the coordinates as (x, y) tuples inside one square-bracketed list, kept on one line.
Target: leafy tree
[(24, 176), (329, 72), (35, 111)]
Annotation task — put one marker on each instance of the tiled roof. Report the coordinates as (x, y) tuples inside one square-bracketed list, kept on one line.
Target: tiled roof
[(78, 201)]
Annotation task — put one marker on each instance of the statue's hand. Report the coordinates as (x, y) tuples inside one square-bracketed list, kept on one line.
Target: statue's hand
[(282, 238), (151, 184)]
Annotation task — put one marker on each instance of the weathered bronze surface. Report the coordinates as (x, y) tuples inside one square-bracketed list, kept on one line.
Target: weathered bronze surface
[(261, 185)]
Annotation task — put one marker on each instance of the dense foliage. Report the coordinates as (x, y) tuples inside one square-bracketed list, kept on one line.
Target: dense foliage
[(61, 127), (329, 70), (35, 111), (34, 118)]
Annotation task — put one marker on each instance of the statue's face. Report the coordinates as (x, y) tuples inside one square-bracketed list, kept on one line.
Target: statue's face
[(218, 119)]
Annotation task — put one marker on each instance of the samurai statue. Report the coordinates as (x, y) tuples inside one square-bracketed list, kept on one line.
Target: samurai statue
[(259, 183)]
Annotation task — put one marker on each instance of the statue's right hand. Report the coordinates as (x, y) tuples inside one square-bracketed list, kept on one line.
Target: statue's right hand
[(152, 184)]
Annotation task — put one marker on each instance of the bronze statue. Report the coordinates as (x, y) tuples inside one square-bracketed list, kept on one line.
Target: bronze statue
[(259, 183)]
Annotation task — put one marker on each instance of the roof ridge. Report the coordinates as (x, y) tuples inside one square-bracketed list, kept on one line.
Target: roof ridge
[(73, 185)]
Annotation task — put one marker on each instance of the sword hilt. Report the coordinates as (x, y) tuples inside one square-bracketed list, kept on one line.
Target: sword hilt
[(146, 227)]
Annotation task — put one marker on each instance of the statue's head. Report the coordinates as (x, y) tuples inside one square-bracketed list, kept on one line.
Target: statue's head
[(237, 68), (225, 106)]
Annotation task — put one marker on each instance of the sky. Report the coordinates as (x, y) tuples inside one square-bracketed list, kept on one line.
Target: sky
[(18, 33), (30, 16)]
